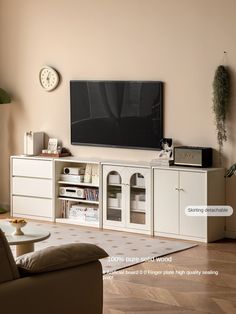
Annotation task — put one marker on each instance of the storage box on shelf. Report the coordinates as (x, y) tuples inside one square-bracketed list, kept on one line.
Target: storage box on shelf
[(114, 202), (114, 178), (140, 181), (81, 213)]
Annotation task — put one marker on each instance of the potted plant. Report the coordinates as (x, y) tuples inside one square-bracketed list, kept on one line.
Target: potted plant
[(231, 171), (4, 97)]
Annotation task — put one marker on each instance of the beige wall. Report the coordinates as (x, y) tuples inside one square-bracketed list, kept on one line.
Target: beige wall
[(180, 42)]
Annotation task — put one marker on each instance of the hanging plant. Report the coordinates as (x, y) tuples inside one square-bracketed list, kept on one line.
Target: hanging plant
[(221, 98)]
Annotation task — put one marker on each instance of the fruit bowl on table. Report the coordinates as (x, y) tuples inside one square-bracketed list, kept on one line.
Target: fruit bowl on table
[(17, 224)]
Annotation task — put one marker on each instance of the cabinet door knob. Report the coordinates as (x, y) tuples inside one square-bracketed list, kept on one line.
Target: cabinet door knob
[(181, 189), (176, 189)]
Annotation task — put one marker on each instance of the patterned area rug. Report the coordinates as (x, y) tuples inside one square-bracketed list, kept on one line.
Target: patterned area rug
[(124, 249)]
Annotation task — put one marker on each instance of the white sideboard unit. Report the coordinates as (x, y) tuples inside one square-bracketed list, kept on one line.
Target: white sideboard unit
[(176, 188), (121, 195), (32, 187), (35, 190)]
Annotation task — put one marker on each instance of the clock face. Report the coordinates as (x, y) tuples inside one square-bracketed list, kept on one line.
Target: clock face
[(48, 78)]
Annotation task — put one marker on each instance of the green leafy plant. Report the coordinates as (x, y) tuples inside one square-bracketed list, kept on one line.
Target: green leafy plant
[(4, 97), (221, 99), (231, 171)]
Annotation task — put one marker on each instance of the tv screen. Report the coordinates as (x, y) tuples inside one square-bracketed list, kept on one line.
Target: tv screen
[(117, 113)]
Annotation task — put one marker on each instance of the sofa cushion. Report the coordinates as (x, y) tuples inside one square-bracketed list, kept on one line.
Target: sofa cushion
[(8, 268), (59, 257)]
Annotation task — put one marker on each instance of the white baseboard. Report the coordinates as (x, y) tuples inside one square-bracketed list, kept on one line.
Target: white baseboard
[(5, 206), (230, 234)]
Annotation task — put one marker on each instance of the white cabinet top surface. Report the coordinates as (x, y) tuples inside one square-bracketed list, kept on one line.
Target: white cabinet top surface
[(128, 163), (32, 157), (187, 168), (69, 158)]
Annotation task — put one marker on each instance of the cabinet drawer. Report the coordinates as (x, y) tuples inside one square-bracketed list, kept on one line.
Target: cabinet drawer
[(39, 207), (32, 187), (32, 168)]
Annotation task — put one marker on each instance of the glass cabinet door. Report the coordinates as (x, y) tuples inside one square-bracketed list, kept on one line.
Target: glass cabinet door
[(126, 199), (114, 197), (138, 206)]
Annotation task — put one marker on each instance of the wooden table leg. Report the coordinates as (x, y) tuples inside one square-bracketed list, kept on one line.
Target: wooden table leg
[(24, 248)]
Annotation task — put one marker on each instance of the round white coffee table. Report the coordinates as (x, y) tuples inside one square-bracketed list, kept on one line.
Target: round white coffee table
[(24, 243)]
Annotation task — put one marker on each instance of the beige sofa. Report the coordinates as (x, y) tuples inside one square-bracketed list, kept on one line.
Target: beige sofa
[(60, 280)]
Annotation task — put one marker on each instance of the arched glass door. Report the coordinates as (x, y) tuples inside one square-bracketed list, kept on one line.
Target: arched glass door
[(114, 197)]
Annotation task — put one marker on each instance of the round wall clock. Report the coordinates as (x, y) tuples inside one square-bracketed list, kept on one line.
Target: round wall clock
[(49, 78)]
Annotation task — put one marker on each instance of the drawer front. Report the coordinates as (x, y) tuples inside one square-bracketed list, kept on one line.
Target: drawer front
[(32, 168), (38, 207), (32, 187)]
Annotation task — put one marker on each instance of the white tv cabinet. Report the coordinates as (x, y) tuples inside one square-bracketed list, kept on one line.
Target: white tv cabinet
[(133, 196), (35, 184), (174, 189)]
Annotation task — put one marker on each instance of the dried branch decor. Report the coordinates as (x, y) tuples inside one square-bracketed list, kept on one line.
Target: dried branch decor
[(221, 98)]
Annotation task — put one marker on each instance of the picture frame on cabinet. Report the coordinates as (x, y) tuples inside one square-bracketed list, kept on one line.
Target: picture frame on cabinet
[(52, 144)]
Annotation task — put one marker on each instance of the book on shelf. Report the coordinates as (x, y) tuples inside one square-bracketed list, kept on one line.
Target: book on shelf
[(91, 195)]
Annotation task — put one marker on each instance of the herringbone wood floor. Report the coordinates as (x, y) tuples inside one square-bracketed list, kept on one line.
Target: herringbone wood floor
[(141, 294), (175, 294)]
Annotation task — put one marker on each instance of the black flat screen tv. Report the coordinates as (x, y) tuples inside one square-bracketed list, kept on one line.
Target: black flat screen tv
[(125, 114)]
